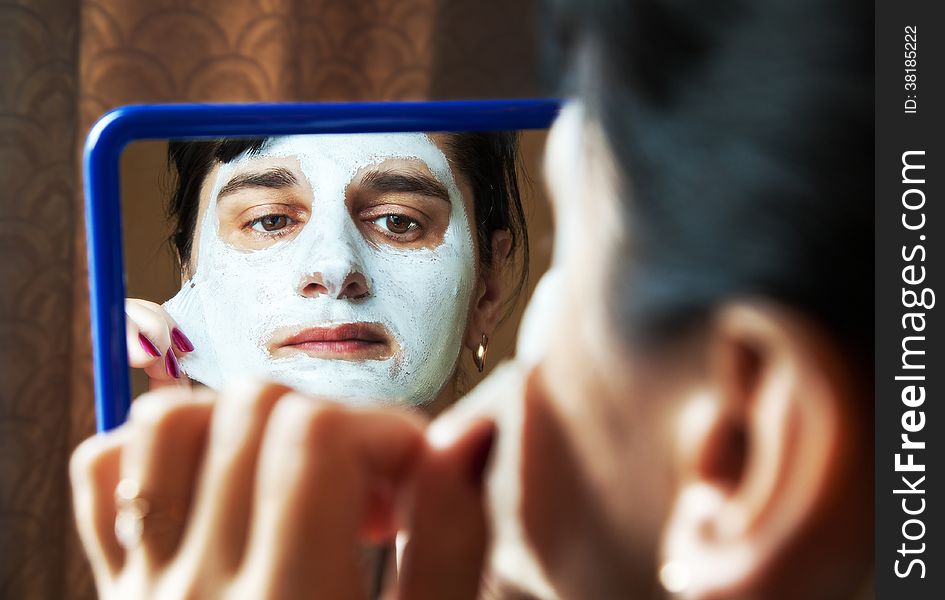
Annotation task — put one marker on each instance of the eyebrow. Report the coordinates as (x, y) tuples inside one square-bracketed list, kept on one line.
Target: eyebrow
[(274, 178), (412, 183)]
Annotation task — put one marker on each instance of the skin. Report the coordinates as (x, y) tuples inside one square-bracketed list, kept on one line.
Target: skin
[(740, 453), (256, 217)]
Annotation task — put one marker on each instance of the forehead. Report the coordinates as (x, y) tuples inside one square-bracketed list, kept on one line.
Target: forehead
[(349, 156), (350, 152), (563, 158)]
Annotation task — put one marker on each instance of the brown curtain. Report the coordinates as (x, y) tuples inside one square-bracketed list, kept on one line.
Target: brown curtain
[(64, 63)]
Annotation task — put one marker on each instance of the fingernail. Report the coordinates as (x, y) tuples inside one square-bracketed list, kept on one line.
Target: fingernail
[(181, 341), (170, 363), (148, 346), (480, 457)]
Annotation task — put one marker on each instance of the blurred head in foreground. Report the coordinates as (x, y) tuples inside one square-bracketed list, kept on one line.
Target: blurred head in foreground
[(698, 418)]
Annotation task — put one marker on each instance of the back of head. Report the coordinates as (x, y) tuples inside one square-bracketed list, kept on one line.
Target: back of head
[(742, 132)]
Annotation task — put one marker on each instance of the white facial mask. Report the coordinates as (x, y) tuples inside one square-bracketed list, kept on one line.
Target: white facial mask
[(237, 299)]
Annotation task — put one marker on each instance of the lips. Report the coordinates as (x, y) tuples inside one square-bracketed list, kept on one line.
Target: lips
[(348, 341)]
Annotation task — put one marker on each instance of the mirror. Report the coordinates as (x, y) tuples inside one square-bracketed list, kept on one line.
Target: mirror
[(365, 266)]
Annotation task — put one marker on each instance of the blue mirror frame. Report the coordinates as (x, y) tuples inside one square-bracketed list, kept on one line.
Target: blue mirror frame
[(109, 136)]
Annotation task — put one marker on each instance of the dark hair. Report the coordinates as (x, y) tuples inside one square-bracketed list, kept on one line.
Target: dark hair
[(490, 162), (743, 135)]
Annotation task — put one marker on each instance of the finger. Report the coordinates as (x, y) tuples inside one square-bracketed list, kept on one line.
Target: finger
[(489, 400), (319, 465), (168, 432), (94, 470), (222, 507), (447, 530), (159, 328), (142, 351), (155, 385), (151, 321), (179, 340)]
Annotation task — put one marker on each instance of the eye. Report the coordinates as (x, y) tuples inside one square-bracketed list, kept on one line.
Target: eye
[(269, 223), (398, 224)]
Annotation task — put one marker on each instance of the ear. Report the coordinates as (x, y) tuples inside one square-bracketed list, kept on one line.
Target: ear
[(186, 270), (775, 466), (488, 296)]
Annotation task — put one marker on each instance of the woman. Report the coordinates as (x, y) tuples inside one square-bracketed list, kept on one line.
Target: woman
[(690, 410), (351, 266)]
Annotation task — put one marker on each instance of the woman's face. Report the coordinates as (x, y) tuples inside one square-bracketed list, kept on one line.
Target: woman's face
[(581, 489), (342, 265)]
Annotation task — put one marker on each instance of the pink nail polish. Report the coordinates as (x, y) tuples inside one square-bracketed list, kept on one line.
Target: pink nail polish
[(171, 365), (181, 341), (148, 346)]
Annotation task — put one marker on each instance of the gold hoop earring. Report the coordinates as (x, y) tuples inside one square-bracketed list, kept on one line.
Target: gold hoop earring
[(480, 356)]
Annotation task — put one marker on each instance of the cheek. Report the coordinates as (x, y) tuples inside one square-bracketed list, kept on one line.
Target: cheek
[(250, 293), (441, 276), (585, 490), (544, 309), (615, 409), (553, 503), (257, 274), (422, 283)]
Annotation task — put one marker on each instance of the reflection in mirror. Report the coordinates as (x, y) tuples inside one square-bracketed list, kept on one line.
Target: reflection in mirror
[(369, 268)]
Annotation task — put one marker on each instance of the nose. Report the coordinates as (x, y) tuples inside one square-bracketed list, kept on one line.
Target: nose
[(351, 286), (331, 264)]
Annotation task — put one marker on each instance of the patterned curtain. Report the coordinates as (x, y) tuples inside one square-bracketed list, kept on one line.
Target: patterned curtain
[(66, 62)]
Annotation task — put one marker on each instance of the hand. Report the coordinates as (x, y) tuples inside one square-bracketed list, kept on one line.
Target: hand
[(260, 492), (155, 343)]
